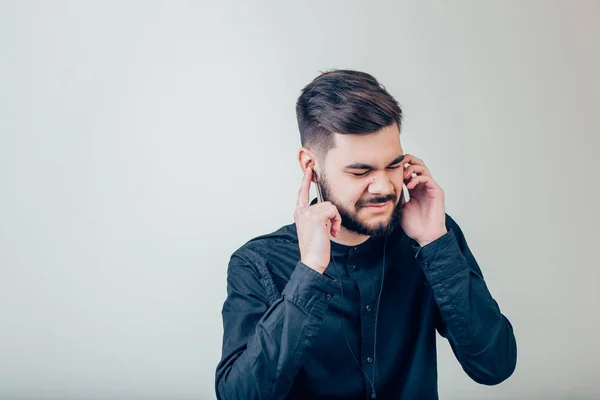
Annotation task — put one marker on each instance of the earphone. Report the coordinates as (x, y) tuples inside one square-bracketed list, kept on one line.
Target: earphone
[(372, 379)]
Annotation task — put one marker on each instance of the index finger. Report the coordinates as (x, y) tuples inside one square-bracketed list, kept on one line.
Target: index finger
[(304, 192), (410, 159)]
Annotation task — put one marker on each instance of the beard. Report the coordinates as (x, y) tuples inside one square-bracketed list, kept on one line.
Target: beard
[(350, 219)]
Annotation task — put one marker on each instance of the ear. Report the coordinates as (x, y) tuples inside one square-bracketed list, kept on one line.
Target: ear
[(307, 160)]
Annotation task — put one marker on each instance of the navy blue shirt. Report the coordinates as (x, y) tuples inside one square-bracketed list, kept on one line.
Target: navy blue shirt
[(293, 333)]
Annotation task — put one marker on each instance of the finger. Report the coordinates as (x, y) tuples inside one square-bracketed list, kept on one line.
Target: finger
[(332, 214), (410, 159), (416, 169), (304, 192), (336, 225), (427, 180)]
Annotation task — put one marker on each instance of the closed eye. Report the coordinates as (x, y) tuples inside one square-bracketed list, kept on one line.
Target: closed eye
[(366, 172), (363, 174)]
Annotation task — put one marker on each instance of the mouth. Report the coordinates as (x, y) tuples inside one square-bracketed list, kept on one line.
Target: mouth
[(378, 206)]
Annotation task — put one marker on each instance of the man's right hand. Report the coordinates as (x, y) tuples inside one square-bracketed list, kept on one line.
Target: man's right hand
[(314, 224)]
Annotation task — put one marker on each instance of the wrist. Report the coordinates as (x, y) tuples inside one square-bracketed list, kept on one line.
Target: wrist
[(433, 238), (314, 265)]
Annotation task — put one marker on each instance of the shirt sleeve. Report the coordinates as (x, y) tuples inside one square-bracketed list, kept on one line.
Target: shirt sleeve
[(480, 336), (263, 343)]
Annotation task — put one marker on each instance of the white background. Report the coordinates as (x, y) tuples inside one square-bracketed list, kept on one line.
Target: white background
[(142, 142)]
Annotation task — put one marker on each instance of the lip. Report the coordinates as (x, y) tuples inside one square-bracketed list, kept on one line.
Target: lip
[(379, 207)]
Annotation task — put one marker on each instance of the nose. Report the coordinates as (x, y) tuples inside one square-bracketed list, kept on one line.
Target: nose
[(381, 184)]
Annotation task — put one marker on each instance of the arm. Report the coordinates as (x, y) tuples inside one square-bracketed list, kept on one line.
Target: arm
[(481, 338), (263, 343)]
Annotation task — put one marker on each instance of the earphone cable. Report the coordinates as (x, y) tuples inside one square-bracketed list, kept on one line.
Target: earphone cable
[(344, 332), (370, 380), (377, 311)]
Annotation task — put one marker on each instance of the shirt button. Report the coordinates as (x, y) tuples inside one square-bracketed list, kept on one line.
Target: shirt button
[(368, 308), (328, 296), (369, 360)]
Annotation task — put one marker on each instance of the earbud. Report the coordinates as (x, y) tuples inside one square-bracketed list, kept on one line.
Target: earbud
[(312, 166), (319, 193)]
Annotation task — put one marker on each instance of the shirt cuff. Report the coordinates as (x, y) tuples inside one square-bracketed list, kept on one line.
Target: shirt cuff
[(441, 258), (309, 288)]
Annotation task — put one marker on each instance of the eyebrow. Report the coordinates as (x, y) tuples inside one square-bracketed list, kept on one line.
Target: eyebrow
[(366, 166)]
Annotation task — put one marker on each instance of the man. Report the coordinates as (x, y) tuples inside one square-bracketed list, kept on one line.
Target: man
[(345, 302)]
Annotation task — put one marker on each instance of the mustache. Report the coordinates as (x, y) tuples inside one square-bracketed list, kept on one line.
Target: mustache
[(377, 200)]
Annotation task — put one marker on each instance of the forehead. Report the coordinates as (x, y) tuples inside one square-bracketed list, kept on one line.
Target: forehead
[(378, 148)]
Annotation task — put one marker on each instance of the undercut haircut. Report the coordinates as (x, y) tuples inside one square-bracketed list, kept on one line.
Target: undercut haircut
[(344, 102)]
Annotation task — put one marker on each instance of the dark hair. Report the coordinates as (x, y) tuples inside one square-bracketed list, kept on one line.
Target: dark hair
[(345, 102)]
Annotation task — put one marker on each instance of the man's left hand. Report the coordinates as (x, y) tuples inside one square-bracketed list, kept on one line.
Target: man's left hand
[(424, 215)]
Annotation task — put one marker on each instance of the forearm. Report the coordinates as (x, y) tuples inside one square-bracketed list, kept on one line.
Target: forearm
[(481, 337), (263, 364)]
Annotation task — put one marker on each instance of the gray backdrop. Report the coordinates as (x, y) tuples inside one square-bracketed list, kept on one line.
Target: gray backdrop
[(142, 142)]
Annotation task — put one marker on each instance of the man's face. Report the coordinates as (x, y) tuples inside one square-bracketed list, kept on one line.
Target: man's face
[(363, 170)]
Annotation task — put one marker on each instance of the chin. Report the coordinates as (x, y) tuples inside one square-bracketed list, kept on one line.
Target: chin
[(380, 220)]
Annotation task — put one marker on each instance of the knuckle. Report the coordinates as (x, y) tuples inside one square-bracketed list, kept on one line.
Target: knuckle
[(300, 212)]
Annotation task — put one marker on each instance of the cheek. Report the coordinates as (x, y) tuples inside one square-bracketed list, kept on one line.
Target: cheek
[(398, 183), (354, 199), (348, 193), (399, 186), (353, 195)]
